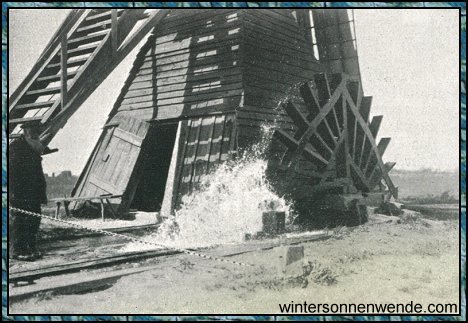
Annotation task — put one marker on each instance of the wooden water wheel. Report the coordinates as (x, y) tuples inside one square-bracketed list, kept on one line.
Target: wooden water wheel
[(333, 133)]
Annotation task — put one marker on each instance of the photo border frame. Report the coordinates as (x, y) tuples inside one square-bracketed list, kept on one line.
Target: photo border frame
[(357, 5)]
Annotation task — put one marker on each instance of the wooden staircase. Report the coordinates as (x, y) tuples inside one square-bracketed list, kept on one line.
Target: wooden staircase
[(89, 44)]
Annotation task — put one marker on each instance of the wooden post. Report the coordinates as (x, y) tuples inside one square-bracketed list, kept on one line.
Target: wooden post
[(102, 209), (114, 31), (57, 210), (63, 71), (346, 134), (114, 215), (65, 205)]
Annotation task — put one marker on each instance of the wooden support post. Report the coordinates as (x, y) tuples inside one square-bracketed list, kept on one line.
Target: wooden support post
[(345, 133), (67, 210), (114, 31), (114, 215), (63, 71), (57, 210), (102, 210)]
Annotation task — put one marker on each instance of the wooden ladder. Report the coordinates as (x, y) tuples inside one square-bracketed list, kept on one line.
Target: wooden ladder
[(88, 46)]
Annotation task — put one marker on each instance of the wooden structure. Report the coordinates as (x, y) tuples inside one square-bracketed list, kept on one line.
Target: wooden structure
[(102, 199), (199, 92), (83, 52)]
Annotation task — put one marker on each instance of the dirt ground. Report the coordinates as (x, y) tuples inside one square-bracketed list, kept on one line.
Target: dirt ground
[(381, 262)]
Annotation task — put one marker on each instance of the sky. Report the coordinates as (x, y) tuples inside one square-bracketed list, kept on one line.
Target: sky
[(409, 65)]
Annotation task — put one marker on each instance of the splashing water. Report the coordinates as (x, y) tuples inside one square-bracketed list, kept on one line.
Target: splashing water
[(228, 204)]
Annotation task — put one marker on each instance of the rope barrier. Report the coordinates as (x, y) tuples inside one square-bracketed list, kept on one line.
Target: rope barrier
[(188, 252)]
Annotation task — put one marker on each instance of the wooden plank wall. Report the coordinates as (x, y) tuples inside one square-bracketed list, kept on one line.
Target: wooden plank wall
[(201, 66), (205, 142), (191, 67), (336, 41), (188, 67), (276, 59)]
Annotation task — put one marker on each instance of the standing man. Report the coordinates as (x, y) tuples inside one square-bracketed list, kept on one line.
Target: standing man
[(27, 191)]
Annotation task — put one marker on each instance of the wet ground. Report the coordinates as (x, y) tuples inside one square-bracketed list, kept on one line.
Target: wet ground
[(387, 260)]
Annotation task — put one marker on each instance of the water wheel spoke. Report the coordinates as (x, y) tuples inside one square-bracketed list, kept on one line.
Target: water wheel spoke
[(359, 142), (297, 117), (376, 175), (371, 139), (291, 143), (334, 134), (373, 129), (311, 100), (381, 147), (359, 172)]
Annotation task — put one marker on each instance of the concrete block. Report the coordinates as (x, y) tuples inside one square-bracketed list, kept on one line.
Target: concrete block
[(291, 260)]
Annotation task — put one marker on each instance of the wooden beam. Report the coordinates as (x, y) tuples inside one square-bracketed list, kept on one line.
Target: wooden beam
[(324, 186), (85, 84), (365, 106), (128, 137), (371, 139), (355, 91), (297, 117), (381, 147), (376, 175), (337, 124), (63, 71), (345, 133), (24, 120), (318, 119), (86, 198), (323, 88), (364, 109), (310, 99), (114, 31), (112, 189), (330, 131), (47, 55), (324, 144), (291, 143), (360, 174), (374, 129), (332, 161), (36, 105)]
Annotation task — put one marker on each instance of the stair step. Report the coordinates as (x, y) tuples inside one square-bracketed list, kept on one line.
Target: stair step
[(36, 105), (103, 15), (46, 91), (75, 42), (95, 27), (55, 77), (88, 49), (71, 63), (24, 120)]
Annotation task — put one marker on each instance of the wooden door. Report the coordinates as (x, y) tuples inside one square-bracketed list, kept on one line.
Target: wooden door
[(116, 159)]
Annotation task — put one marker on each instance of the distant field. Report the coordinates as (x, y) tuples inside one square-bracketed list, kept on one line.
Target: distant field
[(424, 182), (420, 183)]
